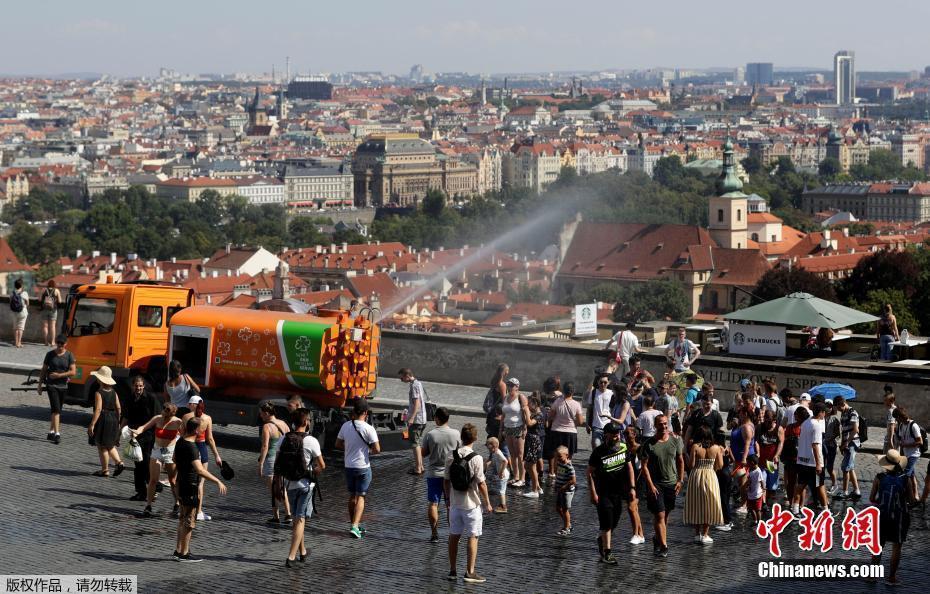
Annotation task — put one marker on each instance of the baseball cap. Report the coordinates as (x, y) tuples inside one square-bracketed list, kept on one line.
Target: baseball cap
[(828, 401), (743, 383), (513, 382), (195, 399), (805, 397), (611, 428)]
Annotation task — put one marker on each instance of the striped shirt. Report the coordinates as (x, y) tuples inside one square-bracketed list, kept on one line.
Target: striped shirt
[(564, 475)]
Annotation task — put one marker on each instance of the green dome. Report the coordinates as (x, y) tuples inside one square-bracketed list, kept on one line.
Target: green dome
[(728, 181)]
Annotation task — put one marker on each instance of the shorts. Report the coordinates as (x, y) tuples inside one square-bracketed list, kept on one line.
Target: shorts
[(56, 397), (49, 315), (514, 432), (465, 522), (434, 489), (664, 501), (829, 452), (358, 480), (165, 455), (204, 455), (496, 486), (597, 437), (564, 500), (849, 458), (609, 510), (415, 435), (809, 477), (564, 438), (893, 531), (912, 465), (754, 504), (268, 467), (19, 322), (301, 502), (771, 480)]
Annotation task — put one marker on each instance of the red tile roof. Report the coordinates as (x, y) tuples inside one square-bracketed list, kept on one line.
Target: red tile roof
[(533, 311), (8, 260)]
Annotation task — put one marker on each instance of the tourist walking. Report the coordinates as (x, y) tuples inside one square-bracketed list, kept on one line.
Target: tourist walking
[(297, 467), (497, 469), (104, 424), (892, 493), (273, 429), (416, 417), (703, 415), (552, 390), (770, 440), (742, 445), (358, 440), (516, 415), (142, 406), (57, 368), (190, 474), (756, 488), (702, 500), (437, 448), (663, 471), (811, 460), (204, 441), (494, 400), (646, 420), (50, 300), (167, 426), (849, 445), (789, 455), (599, 409), (631, 438), (908, 439), (887, 331), (564, 419), (532, 447), (831, 434), (19, 305), (610, 482), (564, 489), (180, 387), (465, 489), (890, 422)]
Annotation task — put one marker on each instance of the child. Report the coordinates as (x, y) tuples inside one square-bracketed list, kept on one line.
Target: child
[(564, 488), (497, 470), (755, 488)]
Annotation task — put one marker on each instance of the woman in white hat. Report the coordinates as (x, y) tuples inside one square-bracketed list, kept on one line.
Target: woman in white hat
[(104, 425), (892, 492)]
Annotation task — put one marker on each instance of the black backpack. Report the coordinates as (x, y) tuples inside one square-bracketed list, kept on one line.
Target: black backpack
[(863, 429), (460, 471), (290, 463), (16, 302)]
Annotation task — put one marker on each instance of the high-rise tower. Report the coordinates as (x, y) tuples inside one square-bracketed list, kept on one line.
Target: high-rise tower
[(844, 77)]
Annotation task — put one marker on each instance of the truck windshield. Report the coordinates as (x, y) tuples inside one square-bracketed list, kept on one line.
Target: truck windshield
[(92, 316)]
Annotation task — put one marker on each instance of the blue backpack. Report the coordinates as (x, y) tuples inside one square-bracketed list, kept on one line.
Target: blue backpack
[(892, 495)]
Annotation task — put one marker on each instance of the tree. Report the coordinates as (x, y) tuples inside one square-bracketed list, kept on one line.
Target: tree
[(752, 165), (782, 281), (434, 202), (797, 218), (25, 240), (875, 301), (525, 293), (652, 300), (47, 271), (885, 269), (829, 168)]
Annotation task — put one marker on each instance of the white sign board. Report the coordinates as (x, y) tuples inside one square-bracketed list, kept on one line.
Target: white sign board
[(768, 341), (586, 319)]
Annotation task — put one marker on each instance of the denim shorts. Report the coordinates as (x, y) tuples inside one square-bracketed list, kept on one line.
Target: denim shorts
[(358, 480), (301, 502), (849, 458), (911, 465)]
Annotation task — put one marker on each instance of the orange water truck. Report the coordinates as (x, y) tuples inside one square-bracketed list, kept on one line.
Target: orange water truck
[(241, 358)]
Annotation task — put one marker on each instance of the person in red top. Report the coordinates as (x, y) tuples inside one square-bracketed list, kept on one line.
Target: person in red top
[(770, 439), (204, 439), (166, 427)]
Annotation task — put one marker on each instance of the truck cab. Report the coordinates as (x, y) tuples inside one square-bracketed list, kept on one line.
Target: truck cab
[(123, 326)]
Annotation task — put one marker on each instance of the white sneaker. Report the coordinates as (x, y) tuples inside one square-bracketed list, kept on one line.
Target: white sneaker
[(203, 516), (834, 490), (697, 538), (742, 510), (637, 540), (707, 540), (724, 527), (531, 495)]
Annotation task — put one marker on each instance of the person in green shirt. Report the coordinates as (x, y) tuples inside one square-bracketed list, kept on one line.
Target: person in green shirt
[(663, 472)]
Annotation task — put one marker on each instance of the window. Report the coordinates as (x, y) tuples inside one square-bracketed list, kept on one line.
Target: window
[(150, 316), (93, 316), (755, 237), (739, 214), (719, 215)]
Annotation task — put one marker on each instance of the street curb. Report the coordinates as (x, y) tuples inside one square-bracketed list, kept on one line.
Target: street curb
[(17, 368)]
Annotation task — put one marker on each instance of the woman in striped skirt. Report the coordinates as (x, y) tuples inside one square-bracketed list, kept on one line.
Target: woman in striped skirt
[(702, 501)]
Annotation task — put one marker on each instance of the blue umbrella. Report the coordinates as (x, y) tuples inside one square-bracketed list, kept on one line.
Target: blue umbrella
[(833, 390)]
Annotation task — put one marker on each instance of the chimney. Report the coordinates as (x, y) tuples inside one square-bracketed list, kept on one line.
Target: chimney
[(95, 254), (203, 274), (78, 254), (215, 274), (374, 301), (845, 231), (209, 299), (319, 249), (112, 259), (443, 304), (332, 248), (345, 247), (174, 259), (461, 252), (228, 248), (159, 274), (380, 254), (228, 272)]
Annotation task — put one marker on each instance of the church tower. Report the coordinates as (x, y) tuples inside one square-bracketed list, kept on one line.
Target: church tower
[(281, 107), (729, 210), (257, 115)]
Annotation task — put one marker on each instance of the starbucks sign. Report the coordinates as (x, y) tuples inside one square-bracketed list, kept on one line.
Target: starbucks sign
[(586, 319)]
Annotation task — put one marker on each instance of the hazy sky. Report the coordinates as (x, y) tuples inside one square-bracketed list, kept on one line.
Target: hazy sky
[(129, 37)]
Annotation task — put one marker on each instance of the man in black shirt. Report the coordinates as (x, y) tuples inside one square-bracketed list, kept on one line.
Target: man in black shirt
[(189, 472), (705, 415), (610, 481), (143, 406), (57, 368)]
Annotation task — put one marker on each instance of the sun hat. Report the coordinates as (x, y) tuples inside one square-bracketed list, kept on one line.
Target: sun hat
[(891, 460), (513, 382), (104, 375)]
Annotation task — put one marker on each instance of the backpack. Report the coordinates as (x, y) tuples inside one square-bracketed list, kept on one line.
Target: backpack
[(428, 405), (460, 471), (490, 401), (923, 438), (16, 302), (789, 451), (892, 495), (780, 409), (863, 429), (290, 462), (48, 300)]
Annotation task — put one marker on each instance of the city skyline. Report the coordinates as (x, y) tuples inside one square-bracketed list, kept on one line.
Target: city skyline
[(516, 37)]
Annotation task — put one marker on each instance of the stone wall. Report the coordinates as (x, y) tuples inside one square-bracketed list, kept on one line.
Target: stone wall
[(33, 330), (471, 360)]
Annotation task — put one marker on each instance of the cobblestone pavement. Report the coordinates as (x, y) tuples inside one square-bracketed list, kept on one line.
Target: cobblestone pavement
[(57, 518)]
